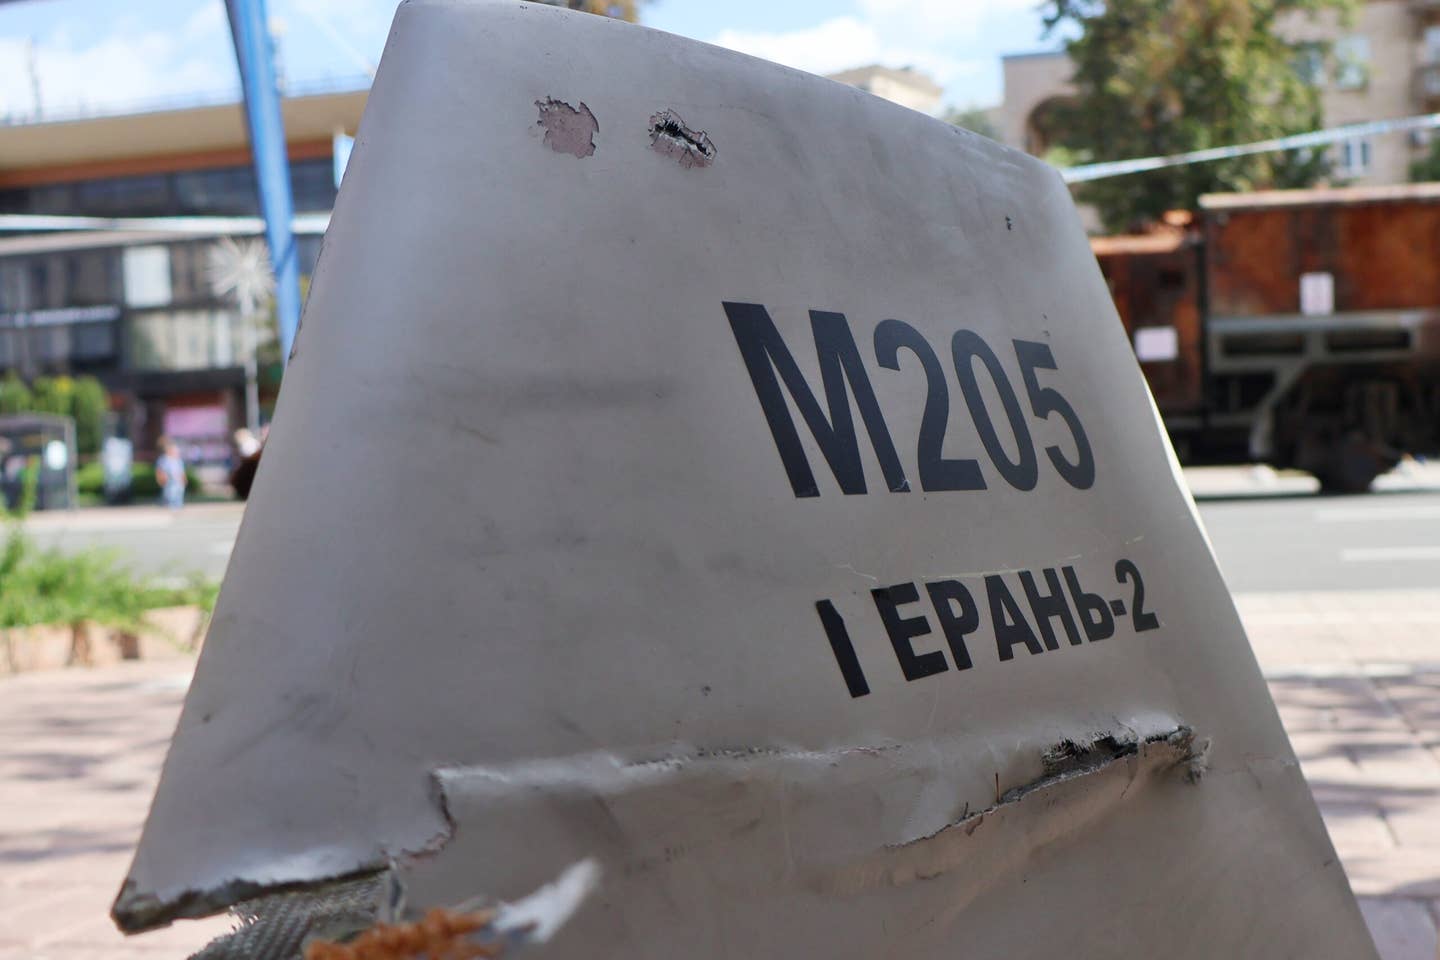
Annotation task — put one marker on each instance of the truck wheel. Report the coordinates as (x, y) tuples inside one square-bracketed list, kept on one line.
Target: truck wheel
[(1352, 467)]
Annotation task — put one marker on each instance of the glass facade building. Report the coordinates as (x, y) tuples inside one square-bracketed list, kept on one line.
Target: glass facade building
[(218, 192), (60, 309), (146, 319), (148, 312), (143, 315)]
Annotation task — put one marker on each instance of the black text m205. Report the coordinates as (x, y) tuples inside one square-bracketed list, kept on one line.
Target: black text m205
[(774, 372)]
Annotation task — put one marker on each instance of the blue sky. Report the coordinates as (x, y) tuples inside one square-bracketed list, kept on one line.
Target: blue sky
[(97, 55)]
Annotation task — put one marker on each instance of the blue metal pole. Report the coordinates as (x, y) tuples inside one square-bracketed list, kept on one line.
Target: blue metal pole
[(255, 55)]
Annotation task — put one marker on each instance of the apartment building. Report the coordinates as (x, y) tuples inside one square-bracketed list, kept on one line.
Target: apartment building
[(905, 85), (1385, 64)]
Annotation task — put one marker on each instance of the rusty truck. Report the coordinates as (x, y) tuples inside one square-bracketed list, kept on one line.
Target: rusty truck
[(1296, 328)]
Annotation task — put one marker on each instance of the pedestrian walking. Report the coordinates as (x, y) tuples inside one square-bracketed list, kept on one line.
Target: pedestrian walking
[(170, 474)]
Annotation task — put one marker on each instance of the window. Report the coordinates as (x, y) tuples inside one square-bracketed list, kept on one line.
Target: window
[(147, 276), (92, 341), (1432, 44), (228, 192), (190, 272), (147, 342), (49, 346), (11, 297), (221, 192), (1352, 62), (146, 196), (184, 340), (35, 282), (193, 340), (1353, 159), (312, 183), (53, 199), (38, 285), (90, 279), (1310, 63)]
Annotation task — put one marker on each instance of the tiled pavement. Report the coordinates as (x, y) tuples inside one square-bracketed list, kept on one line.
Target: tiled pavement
[(1357, 679), (1356, 676), (80, 753)]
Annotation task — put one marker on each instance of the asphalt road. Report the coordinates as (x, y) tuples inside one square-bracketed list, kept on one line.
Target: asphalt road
[(1374, 541), (153, 540), (1271, 533)]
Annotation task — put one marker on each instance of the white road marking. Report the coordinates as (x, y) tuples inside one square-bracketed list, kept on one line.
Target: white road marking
[(1379, 554), (179, 681), (1364, 514)]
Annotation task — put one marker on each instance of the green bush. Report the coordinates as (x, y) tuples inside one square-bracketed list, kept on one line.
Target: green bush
[(53, 395), (15, 397), (89, 404), (198, 591), (51, 586), (90, 481), (90, 478), (84, 399)]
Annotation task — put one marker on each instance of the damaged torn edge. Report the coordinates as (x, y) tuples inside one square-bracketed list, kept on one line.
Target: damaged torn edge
[(670, 137), (284, 921), (1068, 760), (1084, 782), (568, 129), (1069, 757), (320, 919), (136, 913)]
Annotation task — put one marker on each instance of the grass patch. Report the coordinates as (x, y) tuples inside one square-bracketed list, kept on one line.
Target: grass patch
[(79, 588)]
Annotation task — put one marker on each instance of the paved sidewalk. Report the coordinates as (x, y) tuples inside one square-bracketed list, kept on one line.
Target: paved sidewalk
[(81, 753), (1356, 677)]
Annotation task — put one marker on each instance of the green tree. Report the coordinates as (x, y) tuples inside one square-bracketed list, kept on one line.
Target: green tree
[(1162, 78), (974, 119), (84, 399), (89, 405), (53, 395), (15, 397), (1427, 168)]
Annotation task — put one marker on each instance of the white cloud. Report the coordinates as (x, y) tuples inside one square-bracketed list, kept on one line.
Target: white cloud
[(830, 46), (943, 38), (342, 33), (183, 54), (941, 20), (130, 66)]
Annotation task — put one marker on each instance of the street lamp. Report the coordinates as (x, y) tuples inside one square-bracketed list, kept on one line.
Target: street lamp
[(241, 269)]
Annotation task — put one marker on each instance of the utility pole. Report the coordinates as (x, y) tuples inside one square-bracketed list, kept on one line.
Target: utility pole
[(242, 269), (252, 373), (32, 63)]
